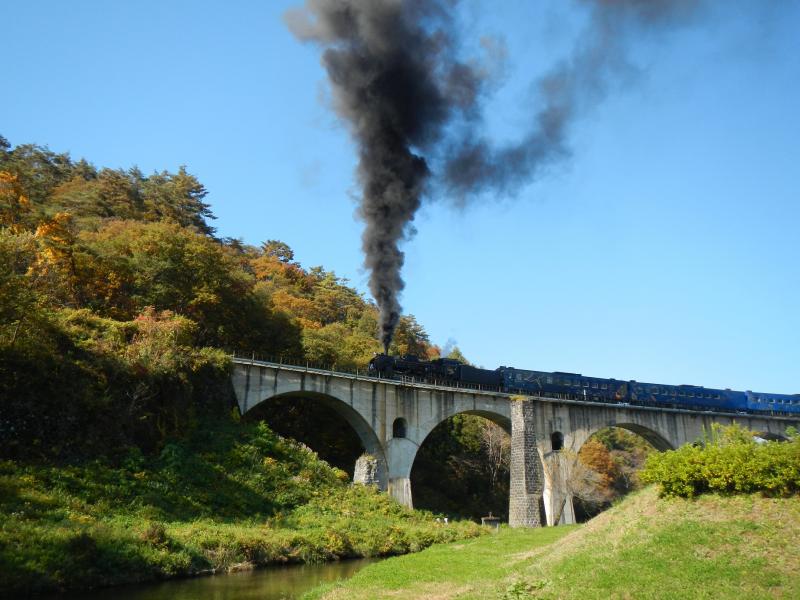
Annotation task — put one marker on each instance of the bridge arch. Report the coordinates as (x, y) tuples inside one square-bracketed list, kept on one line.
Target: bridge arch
[(437, 485), (415, 437), (496, 417), (658, 440), (366, 434), (558, 467)]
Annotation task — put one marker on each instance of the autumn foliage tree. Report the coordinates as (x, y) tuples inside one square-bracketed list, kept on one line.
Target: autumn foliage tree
[(119, 306)]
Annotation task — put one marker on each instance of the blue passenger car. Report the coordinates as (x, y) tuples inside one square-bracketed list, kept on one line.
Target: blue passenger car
[(693, 397), (773, 403), (571, 385)]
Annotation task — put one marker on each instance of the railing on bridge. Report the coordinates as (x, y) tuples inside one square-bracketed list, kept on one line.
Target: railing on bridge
[(404, 379), (334, 368)]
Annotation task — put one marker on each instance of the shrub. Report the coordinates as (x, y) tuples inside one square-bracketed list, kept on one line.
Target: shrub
[(729, 461)]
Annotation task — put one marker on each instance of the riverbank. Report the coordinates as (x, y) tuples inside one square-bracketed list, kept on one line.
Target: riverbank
[(645, 547), (232, 497)]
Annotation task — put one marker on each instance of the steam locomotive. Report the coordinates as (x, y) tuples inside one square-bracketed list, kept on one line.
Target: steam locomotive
[(448, 371)]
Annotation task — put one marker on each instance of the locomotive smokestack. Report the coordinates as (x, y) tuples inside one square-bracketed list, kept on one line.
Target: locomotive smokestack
[(414, 109)]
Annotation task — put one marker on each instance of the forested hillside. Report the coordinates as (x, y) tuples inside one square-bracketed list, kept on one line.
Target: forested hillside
[(122, 457), (119, 304)]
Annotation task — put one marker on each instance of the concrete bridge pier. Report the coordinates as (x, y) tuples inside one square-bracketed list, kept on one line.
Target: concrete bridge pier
[(557, 495), (400, 453)]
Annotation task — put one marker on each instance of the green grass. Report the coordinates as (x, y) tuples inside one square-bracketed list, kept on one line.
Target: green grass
[(232, 497), (711, 547), (465, 567), (738, 547)]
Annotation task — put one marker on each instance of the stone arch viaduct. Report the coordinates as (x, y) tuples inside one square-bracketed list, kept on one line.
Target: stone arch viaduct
[(392, 419)]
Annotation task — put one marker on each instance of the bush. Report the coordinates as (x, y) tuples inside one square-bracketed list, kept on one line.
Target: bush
[(730, 461)]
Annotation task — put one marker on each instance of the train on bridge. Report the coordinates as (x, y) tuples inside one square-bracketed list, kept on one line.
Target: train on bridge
[(447, 371)]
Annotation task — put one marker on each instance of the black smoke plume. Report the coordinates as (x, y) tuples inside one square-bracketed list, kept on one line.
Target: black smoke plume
[(414, 108)]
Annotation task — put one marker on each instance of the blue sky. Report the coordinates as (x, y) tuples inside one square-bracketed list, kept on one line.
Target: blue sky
[(664, 249)]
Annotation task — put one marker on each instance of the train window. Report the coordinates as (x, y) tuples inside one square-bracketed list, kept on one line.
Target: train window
[(681, 393), (674, 393), (604, 386), (549, 379), (594, 385), (585, 384)]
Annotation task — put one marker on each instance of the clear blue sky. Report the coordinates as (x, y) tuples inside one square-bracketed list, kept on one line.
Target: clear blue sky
[(665, 249)]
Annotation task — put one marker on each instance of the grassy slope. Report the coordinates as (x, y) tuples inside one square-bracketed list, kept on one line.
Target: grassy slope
[(235, 496), (446, 571), (646, 547)]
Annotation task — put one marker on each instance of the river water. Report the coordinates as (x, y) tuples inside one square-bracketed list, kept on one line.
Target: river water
[(274, 583)]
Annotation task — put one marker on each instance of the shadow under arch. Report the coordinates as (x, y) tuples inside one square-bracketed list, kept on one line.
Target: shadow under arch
[(367, 436), (495, 417), (461, 488), (652, 437)]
